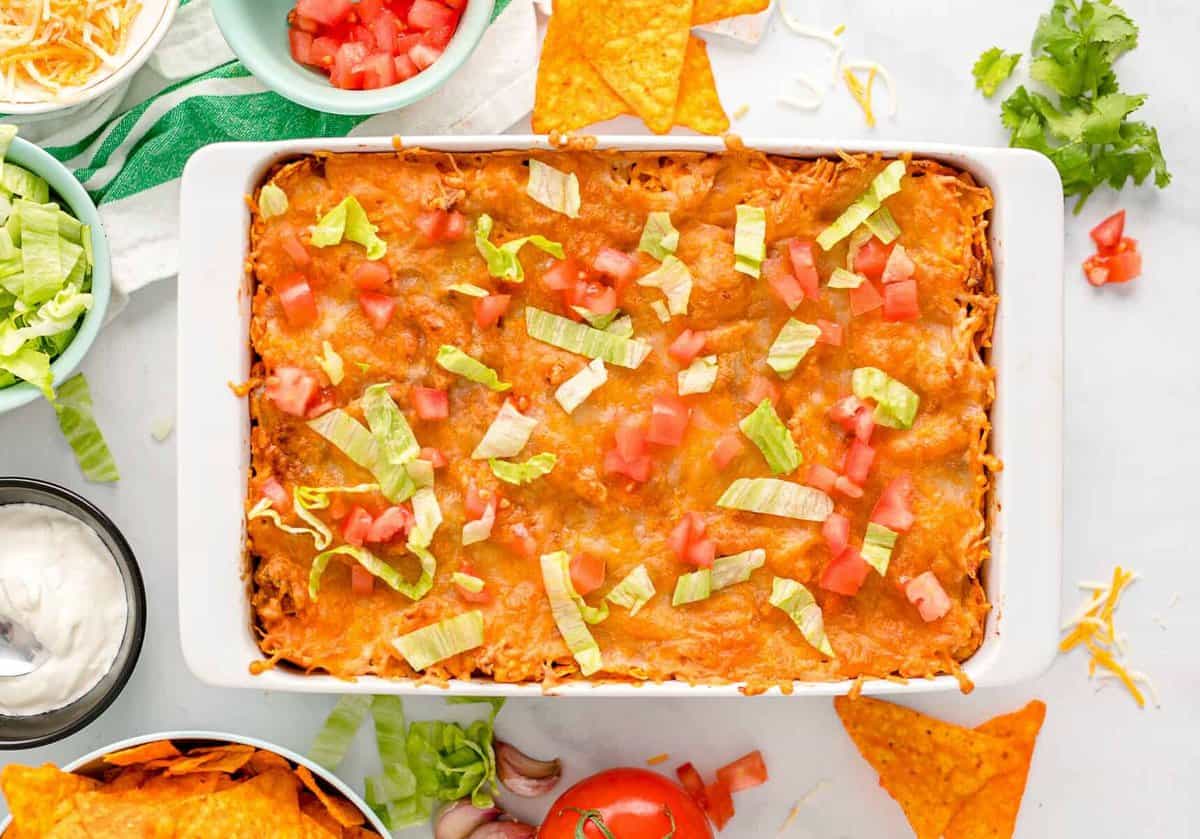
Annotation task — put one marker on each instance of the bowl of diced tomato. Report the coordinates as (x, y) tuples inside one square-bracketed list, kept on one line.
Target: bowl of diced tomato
[(353, 56)]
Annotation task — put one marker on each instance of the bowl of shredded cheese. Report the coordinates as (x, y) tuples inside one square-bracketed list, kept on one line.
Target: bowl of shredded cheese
[(59, 54)]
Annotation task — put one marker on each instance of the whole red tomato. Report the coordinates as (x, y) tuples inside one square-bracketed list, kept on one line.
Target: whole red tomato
[(630, 804)]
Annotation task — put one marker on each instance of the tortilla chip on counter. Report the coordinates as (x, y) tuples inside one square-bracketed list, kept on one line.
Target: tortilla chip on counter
[(709, 11), (157, 791), (936, 770), (699, 107)]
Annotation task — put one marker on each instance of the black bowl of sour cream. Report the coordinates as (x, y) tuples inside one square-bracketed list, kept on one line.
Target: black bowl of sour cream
[(68, 576)]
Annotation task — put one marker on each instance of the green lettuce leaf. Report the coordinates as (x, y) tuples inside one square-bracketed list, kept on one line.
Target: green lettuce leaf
[(584, 340), (272, 201), (77, 420), (17, 180), (878, 544), (992, 68), (896, 404), (792, 343), (883, 226), (699, 376), (674, 280), (841, 278), (334, 739), (458, 362), (469, 289), (348, 220), (767, 431), (750, 240), (568, 610), (523, 473), (58, 315), (572, 393), (353, 440), (507, 435), (659, 237), (633, 592), (736, 568), (393, 435), (799, 605), (774, 497), (692, 587), (7, 133), (428, 645), (553, 188), (883, 186), (468, 582), (331, 363), (660, 311), (502, 261), (377, 567)]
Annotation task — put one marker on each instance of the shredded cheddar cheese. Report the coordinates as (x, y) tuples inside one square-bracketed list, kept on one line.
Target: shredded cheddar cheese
[(1092, 627), (48, 46), (861, 92)]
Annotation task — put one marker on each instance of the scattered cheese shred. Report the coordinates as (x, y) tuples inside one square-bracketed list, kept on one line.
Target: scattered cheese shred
[(741, 111), (1092, 626), (657, 759), (861, 92), (874, 67), (811, 104), (799, 805)]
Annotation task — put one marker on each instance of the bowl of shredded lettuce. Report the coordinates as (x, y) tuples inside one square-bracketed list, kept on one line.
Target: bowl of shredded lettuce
[(55, 275)]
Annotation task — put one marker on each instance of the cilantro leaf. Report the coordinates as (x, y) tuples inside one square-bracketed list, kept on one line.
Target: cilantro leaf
[(992, 68)]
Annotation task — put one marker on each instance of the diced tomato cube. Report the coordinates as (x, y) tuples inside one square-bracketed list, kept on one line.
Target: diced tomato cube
[(845, 409), (926, 593), (900, 301), (391, 522), (429, 14), (434, 456), (668, 420), (594, 296), (1124, 266), (369, 11), (701, 553), (292, 389), (438, 38), (328, 12), (299, 304), (847, 487), (682, 534), (719, 803), (617, 265), (831, 333), (836, 531), (858, 462), (780, 279), (893, 509), (424, 55), (431, 403), (687, 345), (294, 248), (864, 424), (522, 541), (692, 783), (762, 388), (274, 490), (431, 223), (405, 69), (821, 477), (637, 469), (804, 266), (865, 298), (899, 266), (324, 404), (377, 307), (322, 54), (385, 27), (489, 310), (1095, 268), (371, 276), (405, 42), (476, 501), (631, 438), (845, 574), (356, 526), (454, 227), (563, 275), (379, 70), (366, 36), (871, 259), (744, 773), (362, 581), (729, 445), (304, 24), (587, 573), (457, 5), (1107, 234), (347, 66), (300, 43)]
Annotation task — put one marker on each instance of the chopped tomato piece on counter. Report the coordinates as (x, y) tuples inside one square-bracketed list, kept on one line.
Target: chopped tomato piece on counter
[(356, 526), (893, 510), (858, 462), (836, 531), (274, 490), (668, 420), (489, 310), (845, 574), (434, 456), (831, 333), (299, 304), (762, 388), (431, 403), (866, 298), (1117, 258), (370, 276), (847, 487), (746, 772), (687, 345), (926, 593), (617, 265), (377, 307), (292, 389), (391, 522), (587, 572), (900, 301), (719, 804), (804, 266), (692, 782), (362, 581), (899, 267), (729, 445), (1107, 234), (821, 477)]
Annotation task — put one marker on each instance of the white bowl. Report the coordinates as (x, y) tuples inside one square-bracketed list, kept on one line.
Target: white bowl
[(148, 30)]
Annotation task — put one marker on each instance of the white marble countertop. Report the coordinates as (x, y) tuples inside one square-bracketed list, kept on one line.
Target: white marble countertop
[(1103, 767)]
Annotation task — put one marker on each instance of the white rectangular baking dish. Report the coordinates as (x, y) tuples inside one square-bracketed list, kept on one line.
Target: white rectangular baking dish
[(1022, 579)]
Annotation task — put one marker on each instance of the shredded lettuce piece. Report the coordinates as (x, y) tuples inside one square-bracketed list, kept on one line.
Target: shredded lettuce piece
[(378, 568), (575, 337), (659, 237), (799, 605), (54, 317), (17, 180), (883, 186), (7, 133), (30, 365), (467, 582), (774, 497), (594, 320), (305, 499), (736, 568), (568, 609), (331, 363), (674, 280), (349, 220), (794, 341), (553, 188), (392, 795), (272, 201), (507, 435), (896, 404), (502, 261), (767, 431), (76, 419), (633, 592), (439, 641), (621, 326), (48, 260), (469, 289), (518, 474), (883, 225), (841, 278), (660, 311), (878, 544), (693, 587), (479, 530), (264, 510), (353, 440), (750, 240), (699, 377), (458, 362), (572, 393), (427, 518), (858, 239), (334, 739), (451, 762)]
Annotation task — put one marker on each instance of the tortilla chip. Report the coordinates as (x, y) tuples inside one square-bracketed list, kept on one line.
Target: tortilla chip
[(699, 106), (144, 753), (570, 93), (343, 812), (265, 805), (99, 816), (264, 761), (228, 759), (33, 793), (992, 812), (312, 809), (637, 46), (707, 11), (928, 766), (310, 828)]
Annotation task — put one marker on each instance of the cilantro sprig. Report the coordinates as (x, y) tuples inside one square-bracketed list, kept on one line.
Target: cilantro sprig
[(1087, 132)]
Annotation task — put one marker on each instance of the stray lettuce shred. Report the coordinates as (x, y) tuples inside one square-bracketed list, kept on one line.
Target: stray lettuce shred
[(750, 240), (883, 186), (377, 567), (331, 363), (878, 544), (478, 530), (767, 431), (458, 362), (792, 343), (772, 496), (553, 188), (692, 587), (507, 435), (77, 420), (725, 572), (502, 261), (585, 340), (896, 404), (272, 201), (333, 740), (993, 68), (633, 592), (674, 280), (439, 641), (799, 605), (348, 220), (519, 474), (467, 582), (841, 278), (469, 289), (572, 393), (699, 376), (660, 239), (571, 614)]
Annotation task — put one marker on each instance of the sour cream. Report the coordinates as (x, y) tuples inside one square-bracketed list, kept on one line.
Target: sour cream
[(60, 581)]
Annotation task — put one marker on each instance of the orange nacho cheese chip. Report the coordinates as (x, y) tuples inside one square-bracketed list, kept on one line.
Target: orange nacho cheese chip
[(709, 11), (931, 768), (158, 750), (699, 106), (33, 792), (343, 812)]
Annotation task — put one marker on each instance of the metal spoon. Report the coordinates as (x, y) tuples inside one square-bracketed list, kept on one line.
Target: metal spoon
[(20, 650)]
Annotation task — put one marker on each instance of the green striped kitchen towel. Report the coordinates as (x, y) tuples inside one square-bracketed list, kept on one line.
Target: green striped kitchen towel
[(130, 150)]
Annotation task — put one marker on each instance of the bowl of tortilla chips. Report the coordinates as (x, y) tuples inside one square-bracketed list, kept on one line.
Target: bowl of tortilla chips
[(187, 783)]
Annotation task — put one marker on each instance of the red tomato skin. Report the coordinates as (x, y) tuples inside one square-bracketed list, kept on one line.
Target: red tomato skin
[(926, 593), (1107, 234), (783, 282), (439, 37), (858, 462), (617, 265), (1124, 266), (300, 43), (893, 509), (632, 803), (804, 266), (900, 301), (431, 403), (370, 276), (299, 304), (762, 388), (831, 333), (328, 12), (294, 248), (899, 267), (489, 310), (686, 346), (292, 389), (476, 501), (405, 69), (872, 258), (362, 581), (720, 803), (431, 224), (631, 438), (689, 776), (377, 307), (865, 298), (587, 573), (356, 526), (272, 489), (455, 226), (728, 447), (434, 456), (323, 51), (821, 477), (429, 14), (702, 553), (668, 421), (638, 469), (391, 522), (379, 70), (424, 55), (563, 275), (845, 574), (847, 487), (746, 772), (836, 531), (347, 73)]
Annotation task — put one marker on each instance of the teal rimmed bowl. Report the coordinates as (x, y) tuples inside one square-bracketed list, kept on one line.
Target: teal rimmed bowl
[(65, 189), (258, 33)]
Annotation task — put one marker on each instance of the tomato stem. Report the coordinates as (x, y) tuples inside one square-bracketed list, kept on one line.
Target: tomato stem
[(596, 818)]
